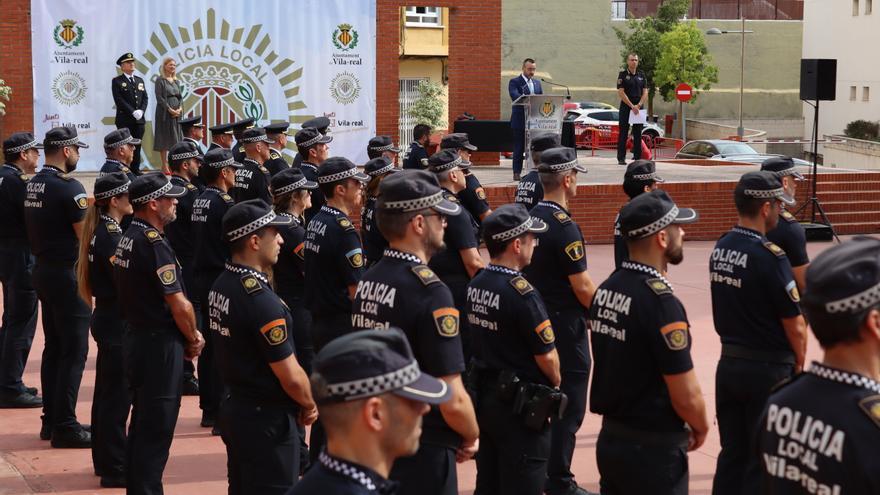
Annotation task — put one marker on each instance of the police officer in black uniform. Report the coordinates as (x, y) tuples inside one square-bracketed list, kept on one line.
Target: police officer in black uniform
[(54, 209), (374, 242), (162, 329), (211, 253), (130, 97), (238, 128), (193, 131), (632, 88), (559, 273), (763, 335), (252, 180), (644, 383), (460, 260), (313, 150), (472, 197), (819, 432), (529, 189), (515, 340), (401, 291), (185, 158), (789, 233), (320, 124), (119, 147), (362, 375), (111, 401), (277, 134), (334, 257), (417, 156), (383, 146), (221, 137), (640, 177), (21, 152), (268, 389)]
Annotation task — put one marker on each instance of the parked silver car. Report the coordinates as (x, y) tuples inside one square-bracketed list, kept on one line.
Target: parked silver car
[(726, 150)]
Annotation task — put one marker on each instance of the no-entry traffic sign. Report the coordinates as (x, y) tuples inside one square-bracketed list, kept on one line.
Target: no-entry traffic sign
[(684, 92)]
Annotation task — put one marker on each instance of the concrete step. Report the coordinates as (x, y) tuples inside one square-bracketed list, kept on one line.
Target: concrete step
[(854, 228), (854, 205)]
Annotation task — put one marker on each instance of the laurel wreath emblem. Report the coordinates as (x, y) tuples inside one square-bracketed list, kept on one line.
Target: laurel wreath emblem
[(80, 34)]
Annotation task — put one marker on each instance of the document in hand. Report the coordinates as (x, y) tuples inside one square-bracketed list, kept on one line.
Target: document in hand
[(640, 118)]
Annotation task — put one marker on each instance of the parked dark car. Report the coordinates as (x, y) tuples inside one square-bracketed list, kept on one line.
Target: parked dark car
[(725, 150)]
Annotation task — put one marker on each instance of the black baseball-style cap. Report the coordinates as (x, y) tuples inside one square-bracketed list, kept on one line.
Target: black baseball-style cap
[(20, 141), (289, 180), (446, 160), (119, 137), (194, 121), (544, 141), (382, 143), (184, 150), (762, 185), (844, 279), (509, 222), (379, 166), (320, 123), (125, 57), (309, 136), (112, 184), (456, 140), (781, 166), (247, 217), (254, 135), (153, 185), (220, 157), (368, 363), (651, 212), (642, 170), (414, 190), (337, 168), (63, 136), (558, 160)]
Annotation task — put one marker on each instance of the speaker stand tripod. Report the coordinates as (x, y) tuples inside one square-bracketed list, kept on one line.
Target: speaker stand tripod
[(824, 230)]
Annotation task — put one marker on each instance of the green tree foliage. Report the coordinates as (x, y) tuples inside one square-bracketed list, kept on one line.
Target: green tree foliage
[(863, 129), (642, 37), (684, 58), (428, 107)]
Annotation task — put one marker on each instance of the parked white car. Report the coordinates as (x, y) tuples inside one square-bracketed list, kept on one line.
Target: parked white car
[(596, 117)]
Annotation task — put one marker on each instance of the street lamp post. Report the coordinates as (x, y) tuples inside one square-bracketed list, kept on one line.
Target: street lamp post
[(740, 131)]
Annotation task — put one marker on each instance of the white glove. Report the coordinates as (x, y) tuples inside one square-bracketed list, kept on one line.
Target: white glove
[(137, 114)]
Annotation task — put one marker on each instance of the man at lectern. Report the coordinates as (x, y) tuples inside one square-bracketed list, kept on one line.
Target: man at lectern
[(524, 84)]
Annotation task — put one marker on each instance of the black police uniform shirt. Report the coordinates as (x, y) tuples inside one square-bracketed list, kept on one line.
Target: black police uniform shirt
[(789, 234), (276, 162), (110, 166), (819, 434), (752, 290), (13, 190), (252, 182), (102, 251), (53, 203), (334, 260), (211, 248), (180, 232), (510, 322), (633, 85), (639, 332), (621, 250), (310, 172), (129, 95), (146, 270), (417, 157), (400, 291), (461, 233), (252, 328), (238, 152), (332, 475), (529, 190), (558, 254), (289, 271), (473, 197), (374, 241)]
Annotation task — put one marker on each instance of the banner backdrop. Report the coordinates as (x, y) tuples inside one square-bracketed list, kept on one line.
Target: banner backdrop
[(274, 60)]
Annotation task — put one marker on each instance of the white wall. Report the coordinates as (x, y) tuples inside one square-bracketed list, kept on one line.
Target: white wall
[(832, 31)]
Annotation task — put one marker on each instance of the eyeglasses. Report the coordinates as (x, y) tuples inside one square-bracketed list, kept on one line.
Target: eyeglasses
[(435, 214)]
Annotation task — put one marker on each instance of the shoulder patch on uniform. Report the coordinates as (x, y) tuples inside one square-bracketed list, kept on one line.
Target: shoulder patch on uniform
[(152, 235), (226, 197), (82, 202), (786, 215), (658, 286), (425, 274), (545, 331), (250, 283), (275, 331), (480, 193), (274, 154), (446, 320), (299, 251), (345, 223), (773, 248), (452, 198), (424, 162), (355, 258), (792, 290), (167, 274), (23, 177), (575, 250), (241, 148), (112, 227), (871, 406), (562, 217), (190, 186), (264, 169), (521, 285), (675, 335)]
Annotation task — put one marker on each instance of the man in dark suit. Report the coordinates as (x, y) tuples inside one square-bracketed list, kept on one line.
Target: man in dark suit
[(130, 97), (523, 84)]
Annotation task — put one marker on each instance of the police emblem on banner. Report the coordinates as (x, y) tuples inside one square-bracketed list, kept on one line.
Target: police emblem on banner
[(67, 34), (275, 331), (345, 37), (69, 88), (345, 88), (446, 320)]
